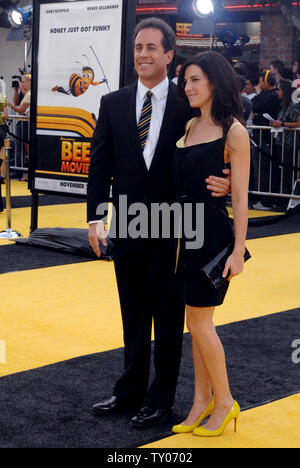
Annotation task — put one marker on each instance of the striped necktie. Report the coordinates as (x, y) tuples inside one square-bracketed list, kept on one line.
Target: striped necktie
[(145, 119)]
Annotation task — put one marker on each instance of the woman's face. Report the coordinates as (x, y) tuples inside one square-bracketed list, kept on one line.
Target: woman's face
[(263, 84), (295, 66), (198, 88), (280, 92)]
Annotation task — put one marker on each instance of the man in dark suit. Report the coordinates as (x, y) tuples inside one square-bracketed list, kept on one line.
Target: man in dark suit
[(133, 149)]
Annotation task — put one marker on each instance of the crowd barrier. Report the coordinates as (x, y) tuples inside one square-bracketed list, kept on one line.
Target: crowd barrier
[(275, 159), (275, 163), (18, 126)]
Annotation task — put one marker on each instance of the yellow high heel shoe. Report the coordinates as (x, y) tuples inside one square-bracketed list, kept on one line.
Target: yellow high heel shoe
[(183, 428), (233, 414)]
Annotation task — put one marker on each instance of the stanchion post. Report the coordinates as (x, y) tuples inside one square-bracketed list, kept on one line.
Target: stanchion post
[(7, 183), (8, 233), (34, 211)]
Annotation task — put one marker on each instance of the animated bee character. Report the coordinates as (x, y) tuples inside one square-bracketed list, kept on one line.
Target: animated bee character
[(78, 85)]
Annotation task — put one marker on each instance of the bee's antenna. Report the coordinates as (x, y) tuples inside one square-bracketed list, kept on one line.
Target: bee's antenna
[(83, 55), (99, 63)]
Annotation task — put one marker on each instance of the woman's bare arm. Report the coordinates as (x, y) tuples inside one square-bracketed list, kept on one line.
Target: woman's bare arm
[(238, 144)]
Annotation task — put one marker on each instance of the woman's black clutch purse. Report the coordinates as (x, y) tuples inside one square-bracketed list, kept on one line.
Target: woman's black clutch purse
[(214, 269)]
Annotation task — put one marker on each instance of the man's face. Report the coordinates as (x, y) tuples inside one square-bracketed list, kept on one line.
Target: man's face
[(25, 84), (249, 88), (150, 59)]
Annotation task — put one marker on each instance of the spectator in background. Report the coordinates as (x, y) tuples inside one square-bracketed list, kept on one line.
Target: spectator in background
[(241, 68), (21, 127), (23, 108), (277, 67), (175, 79), (267, 101), (288, 117), (296, 69), (251, 84), (18, 94), (250, 92), (24, 105), (3, 117), (287, 74), (296, 82), (246, 103)]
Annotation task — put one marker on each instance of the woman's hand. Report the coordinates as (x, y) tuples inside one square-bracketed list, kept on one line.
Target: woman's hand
[(234, 265)]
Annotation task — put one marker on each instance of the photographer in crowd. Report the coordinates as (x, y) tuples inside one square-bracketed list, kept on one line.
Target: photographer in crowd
[(16, 85), (24, 105)]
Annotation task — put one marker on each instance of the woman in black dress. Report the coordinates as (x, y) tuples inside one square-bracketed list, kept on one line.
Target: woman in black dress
[(213, 140)]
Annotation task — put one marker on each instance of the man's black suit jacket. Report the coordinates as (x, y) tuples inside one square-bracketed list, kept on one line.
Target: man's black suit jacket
[(117, 158)]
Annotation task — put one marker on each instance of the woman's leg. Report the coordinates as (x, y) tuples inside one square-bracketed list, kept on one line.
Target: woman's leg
[(201, 326), (202, 387)]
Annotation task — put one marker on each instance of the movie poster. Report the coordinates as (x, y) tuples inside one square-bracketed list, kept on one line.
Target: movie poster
[(79, 59)]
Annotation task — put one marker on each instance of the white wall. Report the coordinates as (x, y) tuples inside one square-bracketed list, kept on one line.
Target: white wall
[(12, 56)]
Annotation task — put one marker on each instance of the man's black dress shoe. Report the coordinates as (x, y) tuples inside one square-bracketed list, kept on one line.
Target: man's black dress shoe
[(109, 406), (149, 416)]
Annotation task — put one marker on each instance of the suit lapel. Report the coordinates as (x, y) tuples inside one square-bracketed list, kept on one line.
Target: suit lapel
[(167, 123)]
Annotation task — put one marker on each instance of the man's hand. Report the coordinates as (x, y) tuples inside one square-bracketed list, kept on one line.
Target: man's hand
[(219, 186), (97, 231), (276, 124)]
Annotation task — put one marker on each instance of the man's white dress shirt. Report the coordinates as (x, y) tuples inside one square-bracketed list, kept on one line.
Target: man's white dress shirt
[(159, 101)]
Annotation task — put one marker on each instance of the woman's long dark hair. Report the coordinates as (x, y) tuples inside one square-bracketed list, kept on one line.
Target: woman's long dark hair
[(286, 87), (227, 100)]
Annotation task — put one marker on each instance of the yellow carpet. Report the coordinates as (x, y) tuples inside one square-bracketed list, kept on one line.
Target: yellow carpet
[(18, 188), (56, 313), (69, 215), (62, 312), (53, 314), (275, 425), (256, 213)]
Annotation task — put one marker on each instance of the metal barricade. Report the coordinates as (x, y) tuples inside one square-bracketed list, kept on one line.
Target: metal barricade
[(275, 162), (275, 158), (18, 126)]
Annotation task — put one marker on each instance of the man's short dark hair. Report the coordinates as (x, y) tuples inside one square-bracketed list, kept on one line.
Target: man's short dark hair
[(279, 65), (169, 37), (241, 68), (253, 78)]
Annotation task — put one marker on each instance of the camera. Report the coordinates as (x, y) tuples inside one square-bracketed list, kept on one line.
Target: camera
[(16, 79)]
